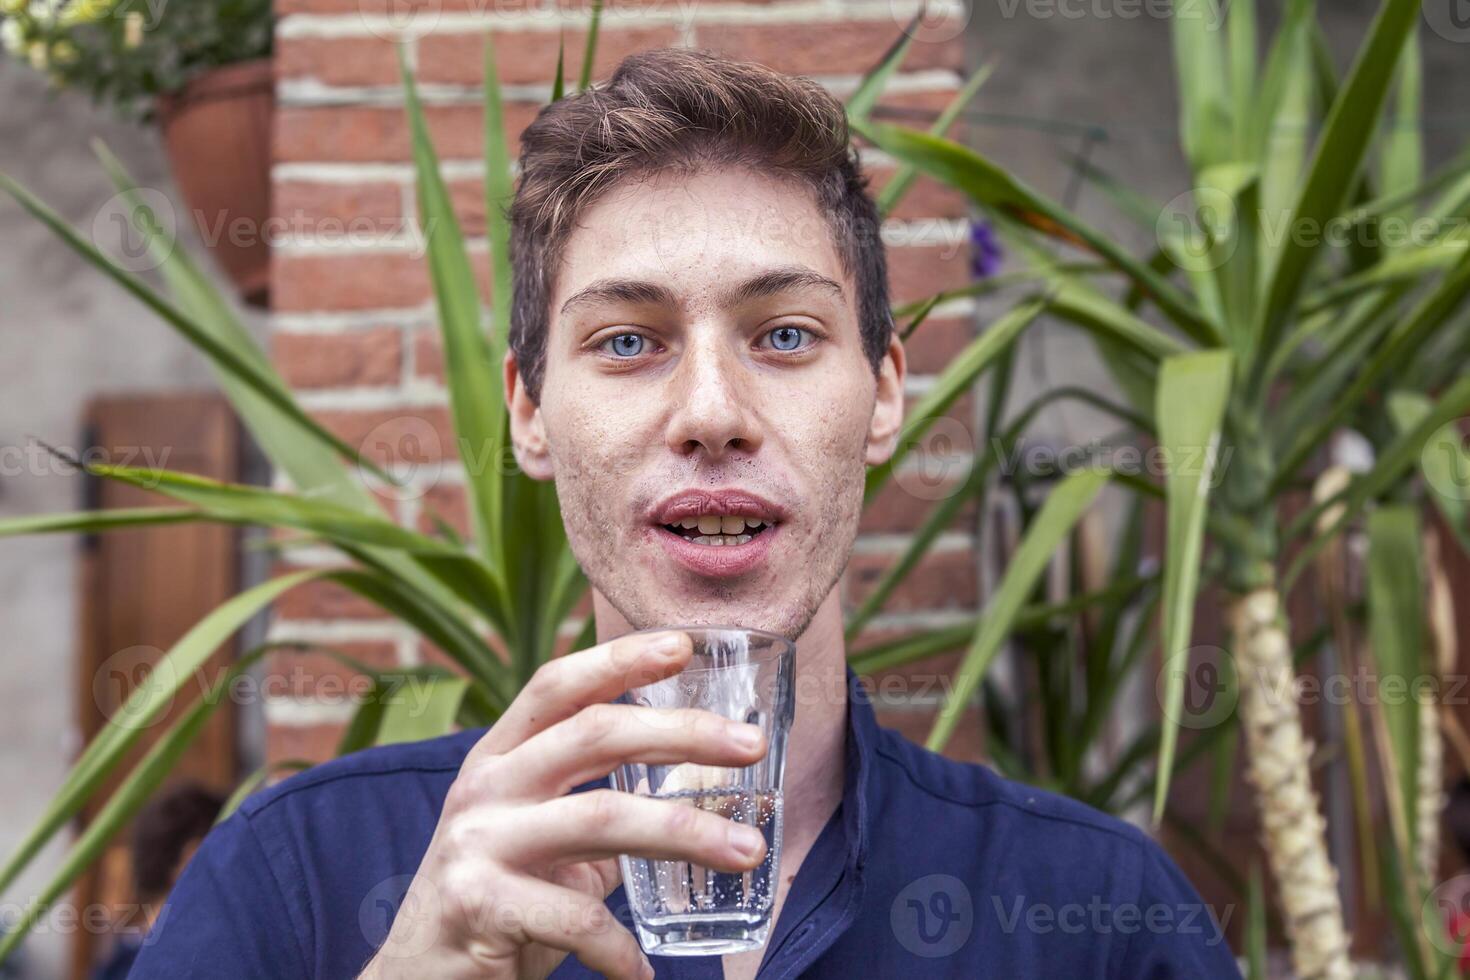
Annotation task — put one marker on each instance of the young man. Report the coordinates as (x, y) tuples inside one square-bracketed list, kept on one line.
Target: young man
[(700, 329)]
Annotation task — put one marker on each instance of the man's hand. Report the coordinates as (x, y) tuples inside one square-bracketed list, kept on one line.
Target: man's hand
[(518, 870)]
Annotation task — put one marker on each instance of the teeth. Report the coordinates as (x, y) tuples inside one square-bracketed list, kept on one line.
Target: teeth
[(721, 540), (710, 524), (689, 523), (732, 525)]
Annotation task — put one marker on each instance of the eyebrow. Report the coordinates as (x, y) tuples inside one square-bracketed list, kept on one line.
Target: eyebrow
[(762, 284)]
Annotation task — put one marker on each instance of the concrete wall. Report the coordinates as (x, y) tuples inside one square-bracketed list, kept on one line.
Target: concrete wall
[(66, 334)]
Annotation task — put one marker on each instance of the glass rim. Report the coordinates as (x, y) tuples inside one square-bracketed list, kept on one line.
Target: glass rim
[(782, 644)]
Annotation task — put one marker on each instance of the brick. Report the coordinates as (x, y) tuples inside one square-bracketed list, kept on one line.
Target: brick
[(317, 675), (417, 434), (450, 502), (929, 677), (917, 110), (426, 11), (941, 580), (357, 212), (338, 60), (428, 354), (827, 47), (899, 509), (962, 410), (925, 197), (366, 134), (917, 272), (326, 600), (311, 282), (360, 357), (313, 743), (459, 59), (433, 656), (966, 743), (936, 343)]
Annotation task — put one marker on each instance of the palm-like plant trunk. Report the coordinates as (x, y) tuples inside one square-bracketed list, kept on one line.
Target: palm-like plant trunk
[(1279, 768), (1443, 648)]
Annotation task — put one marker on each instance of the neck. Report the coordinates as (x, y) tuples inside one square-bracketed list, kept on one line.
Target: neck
[(816, 753)]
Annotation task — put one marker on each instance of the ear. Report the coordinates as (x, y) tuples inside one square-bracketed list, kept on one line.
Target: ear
[(887, 423), (527, 431)]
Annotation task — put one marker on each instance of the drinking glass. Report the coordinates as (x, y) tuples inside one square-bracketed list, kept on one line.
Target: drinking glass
[(684, 909)]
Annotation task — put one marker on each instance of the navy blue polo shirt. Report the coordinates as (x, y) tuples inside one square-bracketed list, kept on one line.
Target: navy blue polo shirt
[(927, 868)]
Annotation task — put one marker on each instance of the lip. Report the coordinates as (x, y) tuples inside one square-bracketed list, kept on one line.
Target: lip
[(734, 502), (725, 561)]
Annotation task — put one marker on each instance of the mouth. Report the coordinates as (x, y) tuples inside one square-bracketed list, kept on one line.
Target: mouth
[(717, 533)]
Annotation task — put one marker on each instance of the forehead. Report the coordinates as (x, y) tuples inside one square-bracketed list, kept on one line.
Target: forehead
[(697, 234)]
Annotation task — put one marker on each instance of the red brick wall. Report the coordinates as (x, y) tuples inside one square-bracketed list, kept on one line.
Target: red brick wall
[(353, 323)]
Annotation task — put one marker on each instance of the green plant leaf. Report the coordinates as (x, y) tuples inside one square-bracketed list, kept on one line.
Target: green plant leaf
[(994, 188), (419, 707), (225, 358), (589, 55), (860, 104), (1444, 462), (1396, 628), (1199, 67), (123, 729), (953, 382), (254, 781), (1192, 394), (1392, 462), (903, 179), (476, 397), (1063, 508), (295, 451), (1241, 43), (1335, 167), (157, 764), (1421, 323), (93, 521)]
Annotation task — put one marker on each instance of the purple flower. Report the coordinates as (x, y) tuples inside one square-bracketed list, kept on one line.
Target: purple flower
[(985, 252)]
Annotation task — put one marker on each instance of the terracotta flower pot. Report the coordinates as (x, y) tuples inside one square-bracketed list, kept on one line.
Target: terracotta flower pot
[(217, 133)]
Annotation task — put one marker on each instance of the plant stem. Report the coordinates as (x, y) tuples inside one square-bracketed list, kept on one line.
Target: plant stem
[(1279, 768)]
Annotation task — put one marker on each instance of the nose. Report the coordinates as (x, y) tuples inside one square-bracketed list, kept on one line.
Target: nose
[(713, 410)]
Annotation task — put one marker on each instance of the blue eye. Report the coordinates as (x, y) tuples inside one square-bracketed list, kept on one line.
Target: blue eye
[(786, 338), (626, 344)]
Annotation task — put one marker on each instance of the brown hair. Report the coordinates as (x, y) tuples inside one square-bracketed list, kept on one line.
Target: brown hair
[(686, 109)]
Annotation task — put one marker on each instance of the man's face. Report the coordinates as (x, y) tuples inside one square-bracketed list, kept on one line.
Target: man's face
[(664, 376)]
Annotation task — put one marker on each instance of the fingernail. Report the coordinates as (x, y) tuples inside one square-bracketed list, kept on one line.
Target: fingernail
[(745, 736), (746, 840)]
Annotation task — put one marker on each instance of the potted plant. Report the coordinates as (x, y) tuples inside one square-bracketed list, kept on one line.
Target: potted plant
[(202, 72)]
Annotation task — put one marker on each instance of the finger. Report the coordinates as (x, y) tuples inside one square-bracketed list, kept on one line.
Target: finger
[(565, 685), (602, 823), (599, 738), (574, 923)]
